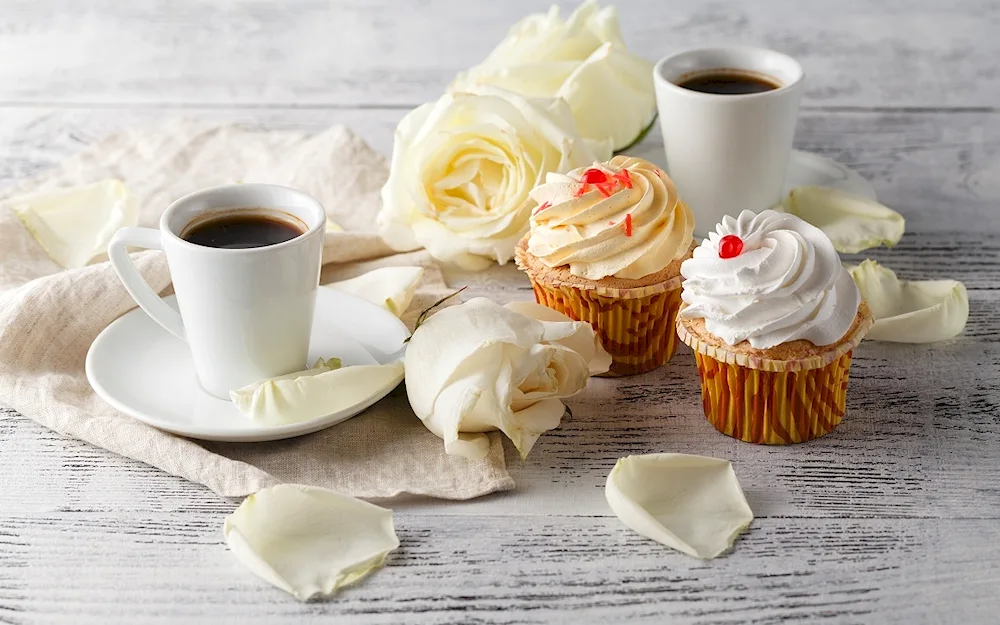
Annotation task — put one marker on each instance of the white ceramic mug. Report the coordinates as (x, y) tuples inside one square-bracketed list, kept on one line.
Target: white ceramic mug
[(246, 314), (727, 153)]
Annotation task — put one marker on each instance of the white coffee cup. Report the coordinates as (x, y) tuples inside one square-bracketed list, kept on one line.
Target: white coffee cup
[(246, 314), (727, 153)]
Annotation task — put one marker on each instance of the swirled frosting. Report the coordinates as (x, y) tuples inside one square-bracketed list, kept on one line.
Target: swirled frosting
[(628, 226), (785, 284)]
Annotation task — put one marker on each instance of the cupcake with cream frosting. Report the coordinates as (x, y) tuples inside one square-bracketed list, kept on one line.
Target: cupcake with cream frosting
[(772, 317), (605, 246)]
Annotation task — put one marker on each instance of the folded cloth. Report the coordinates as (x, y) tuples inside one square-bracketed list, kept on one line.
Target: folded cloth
[(49, 317)]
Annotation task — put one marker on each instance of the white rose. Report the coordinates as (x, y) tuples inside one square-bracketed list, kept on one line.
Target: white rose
[(480, 367), (582, 60), (462, 168)]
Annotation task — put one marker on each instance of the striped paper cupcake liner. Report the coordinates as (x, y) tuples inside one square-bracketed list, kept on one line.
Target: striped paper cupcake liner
[(637, 332), (773, 401), (771, 407)]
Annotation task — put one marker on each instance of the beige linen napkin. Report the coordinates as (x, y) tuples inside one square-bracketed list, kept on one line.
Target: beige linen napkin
[(49, 317)]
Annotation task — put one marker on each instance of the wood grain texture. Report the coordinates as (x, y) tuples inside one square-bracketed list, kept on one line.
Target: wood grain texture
[(916, 53), (893, 518), (940, 169), (91, 568)]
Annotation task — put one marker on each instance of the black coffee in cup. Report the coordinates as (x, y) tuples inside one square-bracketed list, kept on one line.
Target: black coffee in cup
[(244, 228), (728, 82)]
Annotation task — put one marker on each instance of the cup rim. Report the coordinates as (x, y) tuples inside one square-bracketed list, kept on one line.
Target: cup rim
[(318, 227), (660, 79)]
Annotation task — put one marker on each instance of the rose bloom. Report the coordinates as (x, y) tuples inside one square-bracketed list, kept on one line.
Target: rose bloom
[(480, 367), (583, 60), (462, 168)]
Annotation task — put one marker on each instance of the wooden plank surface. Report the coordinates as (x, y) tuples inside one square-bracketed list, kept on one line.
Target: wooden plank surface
[(857, 53), (526, 570), (893, 518), (940, 169)]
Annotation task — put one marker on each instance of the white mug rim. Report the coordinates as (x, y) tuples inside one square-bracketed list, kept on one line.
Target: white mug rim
[(661, 79), (312, 203)]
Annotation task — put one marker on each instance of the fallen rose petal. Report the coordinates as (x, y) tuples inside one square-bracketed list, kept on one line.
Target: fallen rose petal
[(690, 503), (389, 287), (854, 223), (309, 541), (74, 225), (911, 311), (313, 393)]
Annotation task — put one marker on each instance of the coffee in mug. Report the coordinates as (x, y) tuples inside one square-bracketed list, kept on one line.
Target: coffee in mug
[(729, 82), (243, 228)]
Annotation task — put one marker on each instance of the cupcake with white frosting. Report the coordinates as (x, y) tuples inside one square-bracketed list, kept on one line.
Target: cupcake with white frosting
[(772, 317), (605, 246)]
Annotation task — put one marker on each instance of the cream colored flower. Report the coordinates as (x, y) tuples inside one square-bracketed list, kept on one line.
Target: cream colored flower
[(911, 311), (309, 541), (582, 60), (462, 168), (479, 367)]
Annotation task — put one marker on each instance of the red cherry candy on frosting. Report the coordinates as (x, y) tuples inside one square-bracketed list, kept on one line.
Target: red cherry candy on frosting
[(730, 246), (593, 176)]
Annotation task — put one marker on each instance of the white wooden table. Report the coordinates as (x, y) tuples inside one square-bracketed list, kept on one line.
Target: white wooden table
[(893, 518)]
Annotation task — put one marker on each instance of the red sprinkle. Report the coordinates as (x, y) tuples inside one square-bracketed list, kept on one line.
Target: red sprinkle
[(582, 189), (624, 178), (541, 208), (605, 189), (611, 223), (593, 176), (628, 225), (730, 246)]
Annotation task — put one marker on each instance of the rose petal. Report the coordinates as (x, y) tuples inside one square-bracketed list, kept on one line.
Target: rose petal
[(690, 503), (313, 393), (611, 95), (389, 287), (74, 225), (854, 223), (911, 311), (576, 335), (309, 541)]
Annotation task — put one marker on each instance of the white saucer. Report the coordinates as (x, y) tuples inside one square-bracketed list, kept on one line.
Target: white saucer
[(804, 168), (147, 373)]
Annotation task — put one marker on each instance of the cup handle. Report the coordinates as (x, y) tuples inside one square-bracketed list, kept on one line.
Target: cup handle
[(141, 292)]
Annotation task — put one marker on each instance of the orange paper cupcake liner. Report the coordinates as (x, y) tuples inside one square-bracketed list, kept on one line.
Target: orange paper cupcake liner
[(758, 396), (638, 332), (773, 407)]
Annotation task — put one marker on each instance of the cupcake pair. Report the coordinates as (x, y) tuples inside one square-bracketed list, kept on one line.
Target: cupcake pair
[(764, 302)]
